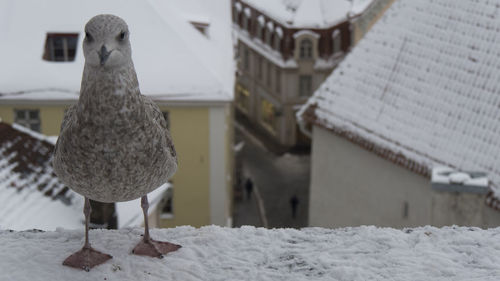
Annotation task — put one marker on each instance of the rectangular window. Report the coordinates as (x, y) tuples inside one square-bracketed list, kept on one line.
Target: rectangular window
[(305, 85), (269, 38), (166, 204), (29, 118), (246, 58), (60, 46), (278, 80), (268, 74), (260, 68), (277, 43)]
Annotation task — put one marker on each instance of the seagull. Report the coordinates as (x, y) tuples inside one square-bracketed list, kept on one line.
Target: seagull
[(114, 144)]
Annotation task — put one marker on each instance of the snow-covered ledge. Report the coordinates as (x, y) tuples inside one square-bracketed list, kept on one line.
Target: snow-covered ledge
[(248, 253)]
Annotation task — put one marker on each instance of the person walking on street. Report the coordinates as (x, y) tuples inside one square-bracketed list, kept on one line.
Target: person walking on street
[(294, 202), (249, 188)]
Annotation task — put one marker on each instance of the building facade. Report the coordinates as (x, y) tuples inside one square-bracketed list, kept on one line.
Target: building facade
[(284, 55)]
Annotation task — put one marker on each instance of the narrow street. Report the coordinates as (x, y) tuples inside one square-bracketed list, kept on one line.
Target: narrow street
[(277, 179)]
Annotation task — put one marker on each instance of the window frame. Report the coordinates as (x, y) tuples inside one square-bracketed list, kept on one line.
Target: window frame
[(27, 120), (306, 52), (69, 52)]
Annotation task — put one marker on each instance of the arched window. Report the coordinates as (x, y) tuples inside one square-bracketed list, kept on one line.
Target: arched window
[(277, 38), (260, 27), (247, 14), (277, 43), (269, 33), (236, 12), (269, 37), (306, 48)]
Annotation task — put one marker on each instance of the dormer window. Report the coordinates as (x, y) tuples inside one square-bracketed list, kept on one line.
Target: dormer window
[(60, 46), (269, 33), (306, 48), (236, 11), (260, 27), (247, 14), (277, 38)]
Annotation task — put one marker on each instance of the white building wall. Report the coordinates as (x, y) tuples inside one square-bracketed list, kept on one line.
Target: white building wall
[(352, 186)]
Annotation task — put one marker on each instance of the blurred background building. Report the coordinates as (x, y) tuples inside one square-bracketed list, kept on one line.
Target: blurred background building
[(285, 50)]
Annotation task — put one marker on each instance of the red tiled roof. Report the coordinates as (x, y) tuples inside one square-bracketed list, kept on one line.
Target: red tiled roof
[(25, 169)]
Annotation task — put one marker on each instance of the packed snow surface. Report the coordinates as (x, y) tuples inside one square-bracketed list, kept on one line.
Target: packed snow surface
[(248, 253)]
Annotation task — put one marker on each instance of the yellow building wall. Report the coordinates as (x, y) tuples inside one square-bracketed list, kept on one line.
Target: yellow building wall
[(189, 127), (50, 116), (190, 131)]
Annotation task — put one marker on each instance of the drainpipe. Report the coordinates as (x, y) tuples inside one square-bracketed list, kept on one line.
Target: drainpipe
[(302, 126)]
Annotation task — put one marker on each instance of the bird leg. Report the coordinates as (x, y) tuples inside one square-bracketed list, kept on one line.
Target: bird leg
[(87, 257), (148, 246)]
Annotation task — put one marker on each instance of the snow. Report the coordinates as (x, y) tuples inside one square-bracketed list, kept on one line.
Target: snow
[(448, 175), (359, 6), (130, 212), (34, 134), (238, 6), (30, 194), (261, 20), (411, 86), (279, 32), (248, 253), (270, 26), (247, 12), (181, 54), (31, 209), (310, 13), (265, 49), (32, 197)]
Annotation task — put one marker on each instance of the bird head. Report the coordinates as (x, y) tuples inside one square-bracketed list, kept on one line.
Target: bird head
[(106, 42)]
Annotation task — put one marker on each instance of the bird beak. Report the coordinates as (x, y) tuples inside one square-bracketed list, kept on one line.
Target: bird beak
[(104, 54)]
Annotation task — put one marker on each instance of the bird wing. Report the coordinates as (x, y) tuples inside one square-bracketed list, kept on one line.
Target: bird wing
[(152, 107), (69, 114)]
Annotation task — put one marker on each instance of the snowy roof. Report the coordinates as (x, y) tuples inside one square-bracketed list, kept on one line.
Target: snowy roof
[(421, 88), (310, 13), (31, 196), (130, 212), (174, 62), (248, 253)]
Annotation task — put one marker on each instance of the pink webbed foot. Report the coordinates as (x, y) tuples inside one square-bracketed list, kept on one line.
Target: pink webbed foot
[(86, 258), (153, 248)]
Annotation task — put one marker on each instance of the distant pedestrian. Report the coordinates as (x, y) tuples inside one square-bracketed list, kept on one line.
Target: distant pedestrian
[(294, 202), (249, 188)]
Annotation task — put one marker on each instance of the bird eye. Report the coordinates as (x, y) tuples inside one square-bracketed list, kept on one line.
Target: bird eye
[(122, 35), (88, 37)]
